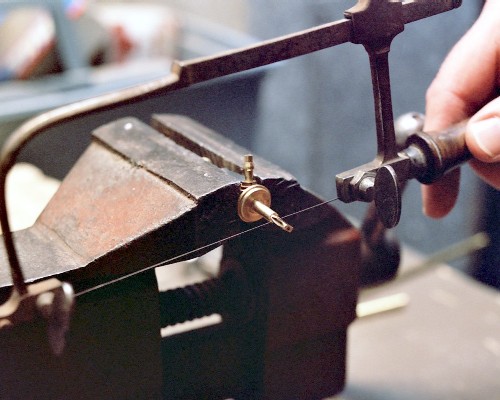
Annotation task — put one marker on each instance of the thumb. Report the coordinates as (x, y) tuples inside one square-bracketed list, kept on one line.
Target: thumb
[(483, 140), (483, 133)]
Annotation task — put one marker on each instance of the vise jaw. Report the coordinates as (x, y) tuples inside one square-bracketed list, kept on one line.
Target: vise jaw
[(142, 196)]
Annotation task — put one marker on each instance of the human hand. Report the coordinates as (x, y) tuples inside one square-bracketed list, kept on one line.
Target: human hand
[(466, 85)]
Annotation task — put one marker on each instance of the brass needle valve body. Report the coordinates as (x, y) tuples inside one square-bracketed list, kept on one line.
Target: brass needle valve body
[(255, 200)]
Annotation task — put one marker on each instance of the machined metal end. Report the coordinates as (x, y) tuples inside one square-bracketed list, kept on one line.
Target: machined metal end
[(271, 216), (254, 204), (276, 220)]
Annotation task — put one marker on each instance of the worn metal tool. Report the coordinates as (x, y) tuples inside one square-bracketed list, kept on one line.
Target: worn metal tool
[(426, 157), (373, 23), (110, 232), (144, 196)]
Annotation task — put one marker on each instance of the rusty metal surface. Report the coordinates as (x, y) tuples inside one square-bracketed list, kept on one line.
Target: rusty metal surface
[(417, 9), (136, 198), (119, 203), (221, 151), (187, 73), (113, 197)]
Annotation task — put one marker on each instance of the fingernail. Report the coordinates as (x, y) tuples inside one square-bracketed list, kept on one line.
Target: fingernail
[(487, 136)]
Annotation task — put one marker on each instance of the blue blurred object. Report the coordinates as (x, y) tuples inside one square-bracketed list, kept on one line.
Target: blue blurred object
[(6, 74), (227, 105)]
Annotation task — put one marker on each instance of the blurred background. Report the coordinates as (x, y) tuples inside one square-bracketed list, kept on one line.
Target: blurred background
[(312, 115)]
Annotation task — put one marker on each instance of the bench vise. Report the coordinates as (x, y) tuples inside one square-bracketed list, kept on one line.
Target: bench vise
[(142, 196), (145, 196)]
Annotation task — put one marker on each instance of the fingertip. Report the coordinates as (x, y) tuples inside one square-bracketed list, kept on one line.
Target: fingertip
[(483, 138), (439, 198)]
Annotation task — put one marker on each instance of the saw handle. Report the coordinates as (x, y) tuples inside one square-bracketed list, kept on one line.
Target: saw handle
[(425, 157), (434, 154)]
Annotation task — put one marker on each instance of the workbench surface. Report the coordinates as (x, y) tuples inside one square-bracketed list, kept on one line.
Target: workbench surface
[(444, 345)]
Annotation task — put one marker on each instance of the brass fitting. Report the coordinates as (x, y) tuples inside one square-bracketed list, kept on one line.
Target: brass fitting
[(255, 200), (248, 167)]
